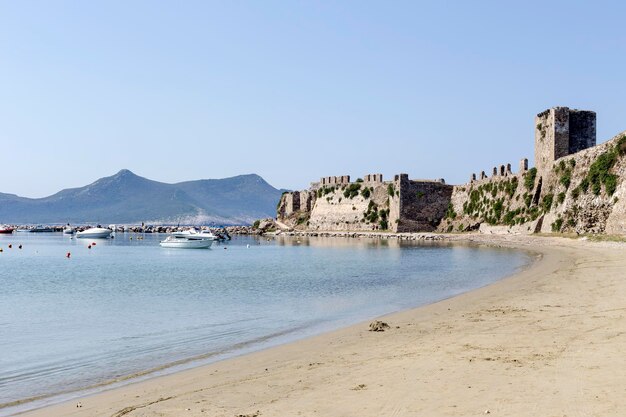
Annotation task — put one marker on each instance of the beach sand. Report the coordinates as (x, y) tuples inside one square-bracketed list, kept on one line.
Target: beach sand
[(549, 341)]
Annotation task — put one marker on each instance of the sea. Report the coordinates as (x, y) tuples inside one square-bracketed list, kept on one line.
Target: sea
[(124, 309)]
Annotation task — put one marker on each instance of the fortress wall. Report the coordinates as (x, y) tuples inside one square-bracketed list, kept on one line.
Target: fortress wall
[(558, 195), (556, 201), (422, 204), (335, 211)]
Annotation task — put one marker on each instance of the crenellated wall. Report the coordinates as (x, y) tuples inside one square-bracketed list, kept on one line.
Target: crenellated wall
[(367, 204), (575, 186)]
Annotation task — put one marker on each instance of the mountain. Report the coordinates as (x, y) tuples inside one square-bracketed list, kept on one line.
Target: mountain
[(129, 198)]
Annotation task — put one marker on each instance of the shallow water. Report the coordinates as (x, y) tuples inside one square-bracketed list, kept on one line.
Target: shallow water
[(127, 306)]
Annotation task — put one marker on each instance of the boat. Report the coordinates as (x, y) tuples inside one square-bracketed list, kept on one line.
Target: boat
[(41, 229), (68, 230), (95, 232), (186, 242), (6, 230), (205, 234)]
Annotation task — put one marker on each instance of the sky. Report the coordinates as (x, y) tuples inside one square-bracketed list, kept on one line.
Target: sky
[(294, 90)]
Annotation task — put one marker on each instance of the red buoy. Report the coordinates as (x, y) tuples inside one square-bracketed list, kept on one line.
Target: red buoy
[(68, 255), (10, 246), (93, 243), (88, 246)]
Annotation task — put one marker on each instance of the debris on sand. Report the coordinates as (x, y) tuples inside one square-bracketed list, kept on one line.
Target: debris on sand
[(378, 326), (256, 414)]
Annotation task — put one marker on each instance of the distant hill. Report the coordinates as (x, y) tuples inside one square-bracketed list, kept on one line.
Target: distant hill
[(129, 198)]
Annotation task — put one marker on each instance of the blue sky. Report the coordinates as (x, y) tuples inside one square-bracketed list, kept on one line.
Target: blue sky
[(296, 90)]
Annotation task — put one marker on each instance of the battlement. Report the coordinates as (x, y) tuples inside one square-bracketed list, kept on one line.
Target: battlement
[(501, 171), (561, 131), (373, 178), (343, 179)]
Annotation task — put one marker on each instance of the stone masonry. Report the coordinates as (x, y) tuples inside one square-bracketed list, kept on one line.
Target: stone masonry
[(575, 186), (561, 131)]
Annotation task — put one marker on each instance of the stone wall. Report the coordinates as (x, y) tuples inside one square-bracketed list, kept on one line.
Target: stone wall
[(422, 204), (369, 204), (579, 193), (575, 187)]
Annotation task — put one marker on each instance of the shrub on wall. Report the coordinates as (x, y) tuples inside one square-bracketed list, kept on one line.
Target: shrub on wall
[(529, 178), (352, 190)]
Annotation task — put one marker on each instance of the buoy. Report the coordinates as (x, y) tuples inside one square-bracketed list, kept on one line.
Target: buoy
[(10, 246), (93, 243), (88, 246), (68, 255), (247, 246), (1, 250), (19, 247)]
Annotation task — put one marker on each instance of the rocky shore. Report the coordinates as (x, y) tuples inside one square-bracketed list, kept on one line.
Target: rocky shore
[(370, 235)]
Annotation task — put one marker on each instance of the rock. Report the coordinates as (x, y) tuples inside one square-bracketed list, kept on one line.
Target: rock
[(378, 326)]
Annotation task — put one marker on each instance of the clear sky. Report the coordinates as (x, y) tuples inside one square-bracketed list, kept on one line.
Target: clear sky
[(294, 90)]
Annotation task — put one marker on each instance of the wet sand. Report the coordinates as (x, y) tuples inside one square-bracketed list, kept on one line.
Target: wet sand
[(549, 341)]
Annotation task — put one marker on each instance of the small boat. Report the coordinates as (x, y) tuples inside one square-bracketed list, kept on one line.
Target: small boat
[(68, 230), (186, 242), (6, 230), (95, 233), (23, 230)]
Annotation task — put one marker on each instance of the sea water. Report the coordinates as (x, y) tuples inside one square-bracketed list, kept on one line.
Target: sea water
[(127, 308)]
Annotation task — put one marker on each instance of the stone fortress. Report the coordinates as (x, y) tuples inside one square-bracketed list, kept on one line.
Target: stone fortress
[(575, 186)]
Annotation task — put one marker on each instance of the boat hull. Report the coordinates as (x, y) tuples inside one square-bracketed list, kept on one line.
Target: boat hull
[(96, 233), (6, 231), (188, 244)]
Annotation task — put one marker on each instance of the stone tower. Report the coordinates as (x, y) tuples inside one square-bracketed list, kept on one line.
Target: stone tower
[(561, 131)]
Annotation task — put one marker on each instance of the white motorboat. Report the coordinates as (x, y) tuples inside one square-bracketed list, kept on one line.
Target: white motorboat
[(186, 242), (68, 230), (205, 234), (95, 233)]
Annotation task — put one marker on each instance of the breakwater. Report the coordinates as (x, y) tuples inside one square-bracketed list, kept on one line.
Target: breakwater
[(231, 230)]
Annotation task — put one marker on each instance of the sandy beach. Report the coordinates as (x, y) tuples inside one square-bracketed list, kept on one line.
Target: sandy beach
[(549, 341)]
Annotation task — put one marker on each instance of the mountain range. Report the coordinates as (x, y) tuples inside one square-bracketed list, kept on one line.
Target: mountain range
[(129, 198)]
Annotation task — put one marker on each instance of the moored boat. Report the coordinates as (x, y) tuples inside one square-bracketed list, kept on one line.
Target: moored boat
[(68, 230), (95, 233), (6, 230), (205, 234), (186, 242)]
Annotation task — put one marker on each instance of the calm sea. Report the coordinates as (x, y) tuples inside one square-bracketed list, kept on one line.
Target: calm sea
[(127, 306)]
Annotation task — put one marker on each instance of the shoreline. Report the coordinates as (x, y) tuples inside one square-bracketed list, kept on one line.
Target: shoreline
[(271, 341), (192, 386)]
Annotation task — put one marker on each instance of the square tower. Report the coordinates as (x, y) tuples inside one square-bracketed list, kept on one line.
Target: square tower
[(561, 131)]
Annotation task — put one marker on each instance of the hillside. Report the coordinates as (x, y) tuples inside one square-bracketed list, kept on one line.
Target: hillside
[(129, 198)]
